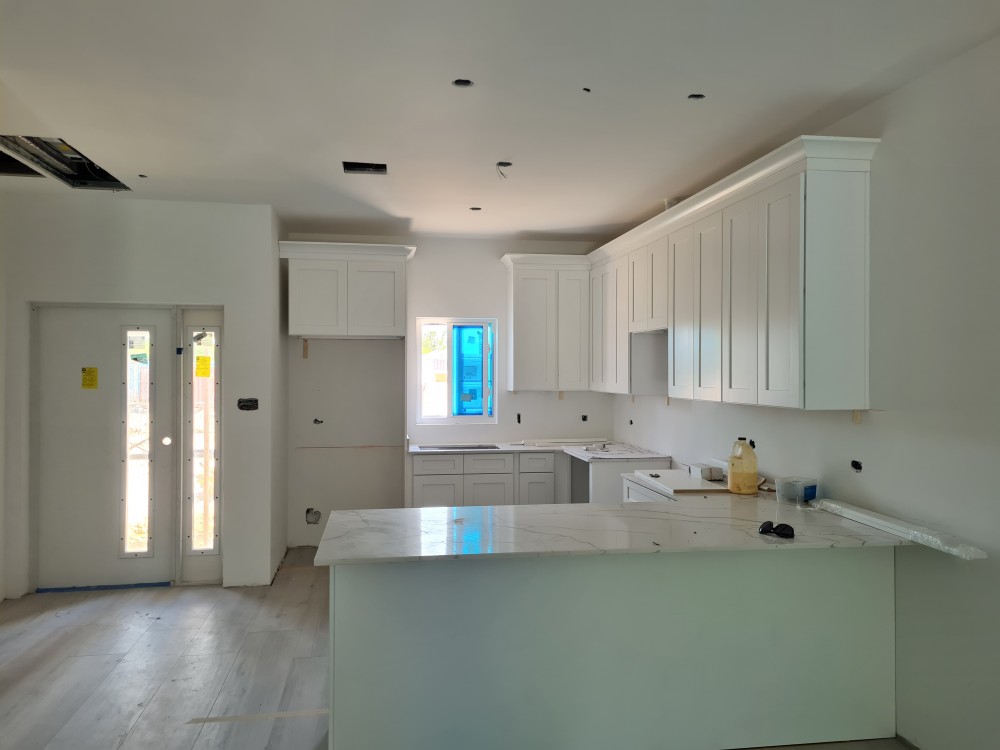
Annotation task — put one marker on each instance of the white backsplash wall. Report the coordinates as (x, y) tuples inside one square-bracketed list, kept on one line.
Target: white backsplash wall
[(930, 456)]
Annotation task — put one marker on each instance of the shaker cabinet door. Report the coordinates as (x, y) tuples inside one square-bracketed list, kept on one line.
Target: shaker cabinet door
[(739, 302)]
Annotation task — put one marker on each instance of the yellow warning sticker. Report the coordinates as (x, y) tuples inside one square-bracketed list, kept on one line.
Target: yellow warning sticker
[(88, 378), (203, 367)]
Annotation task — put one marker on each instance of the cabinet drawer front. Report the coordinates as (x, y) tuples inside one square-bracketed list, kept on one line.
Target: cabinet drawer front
[(634, 493), (536, 463), (489, 463), (448, 464), (489, 489), (438, 491)]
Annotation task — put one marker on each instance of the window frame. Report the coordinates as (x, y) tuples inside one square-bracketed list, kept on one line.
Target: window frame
[(489, 364)]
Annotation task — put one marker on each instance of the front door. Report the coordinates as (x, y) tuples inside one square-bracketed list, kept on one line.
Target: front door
[(104, 455)]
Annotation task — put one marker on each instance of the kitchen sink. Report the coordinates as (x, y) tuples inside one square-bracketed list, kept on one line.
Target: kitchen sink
[(459, 447)]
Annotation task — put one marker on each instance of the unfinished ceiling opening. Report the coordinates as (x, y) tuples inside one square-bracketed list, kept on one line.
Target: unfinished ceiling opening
[(56, 157)]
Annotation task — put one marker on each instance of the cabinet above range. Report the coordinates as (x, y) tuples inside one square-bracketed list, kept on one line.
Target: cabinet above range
[(345, 290)]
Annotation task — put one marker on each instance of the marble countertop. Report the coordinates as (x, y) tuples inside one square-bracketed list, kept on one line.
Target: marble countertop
[(417, 449), (713, 522)]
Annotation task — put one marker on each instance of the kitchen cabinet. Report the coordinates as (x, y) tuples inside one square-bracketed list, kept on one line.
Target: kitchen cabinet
[(680, 261), (706, 304), (489, 489), (768, 280), (483, 478), (549, 314), (622, 362), (739, 302), (438, 490), (536, 478), (649, 288), (340, 290)]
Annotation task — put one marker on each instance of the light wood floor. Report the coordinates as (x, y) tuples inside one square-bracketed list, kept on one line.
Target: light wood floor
[(143, 669)]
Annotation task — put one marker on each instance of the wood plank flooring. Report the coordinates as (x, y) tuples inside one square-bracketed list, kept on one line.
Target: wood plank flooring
[(186, 668), (130, 669)]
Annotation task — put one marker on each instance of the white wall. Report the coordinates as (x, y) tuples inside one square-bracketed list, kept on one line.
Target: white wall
[(930, 453), (103, 248), (3, 421)]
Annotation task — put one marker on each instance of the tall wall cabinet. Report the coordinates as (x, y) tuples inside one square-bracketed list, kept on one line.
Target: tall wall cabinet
[(549, 322), (341, 290)]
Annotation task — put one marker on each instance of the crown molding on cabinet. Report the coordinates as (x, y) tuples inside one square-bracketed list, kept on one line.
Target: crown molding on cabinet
[(807, 152), (301, 250)]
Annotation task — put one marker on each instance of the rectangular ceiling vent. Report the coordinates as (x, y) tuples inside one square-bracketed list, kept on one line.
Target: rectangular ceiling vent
[(56, 157), (11, 166), (364, 167)]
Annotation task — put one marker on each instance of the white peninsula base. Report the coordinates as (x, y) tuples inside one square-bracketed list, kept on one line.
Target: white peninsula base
[(694, 650)]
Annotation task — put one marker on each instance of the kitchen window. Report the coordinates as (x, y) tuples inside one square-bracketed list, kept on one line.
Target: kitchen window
[(457, 370)]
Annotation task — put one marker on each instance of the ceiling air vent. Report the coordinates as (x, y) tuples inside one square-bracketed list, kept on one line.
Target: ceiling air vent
[(11, 166), (364, 167), (57, 158)]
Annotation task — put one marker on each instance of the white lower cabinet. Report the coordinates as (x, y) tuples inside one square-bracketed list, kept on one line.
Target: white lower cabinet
[(489, 489), (536, 489), (436, 491), (457, 479)]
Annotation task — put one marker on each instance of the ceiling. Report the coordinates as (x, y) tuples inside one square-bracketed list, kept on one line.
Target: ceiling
[(260, 101)]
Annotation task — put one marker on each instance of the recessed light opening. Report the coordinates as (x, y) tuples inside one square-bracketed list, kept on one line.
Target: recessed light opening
[(462, 83), (364, 167), (56, 157), (696, 97), (475, 208)]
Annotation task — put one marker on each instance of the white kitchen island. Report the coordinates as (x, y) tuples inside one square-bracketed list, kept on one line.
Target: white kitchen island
[(666, 625)]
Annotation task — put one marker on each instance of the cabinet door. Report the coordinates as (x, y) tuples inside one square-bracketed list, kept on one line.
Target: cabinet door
[(597, 330), (376, 298), (779, 290), (681, 345), (620, 270), (658, 310), (536, 489), (573, 332), (739, 302), (707, 304), (533, 337), (609, 327), (638, 284), (317, 297), (438, 491), (489, 489)]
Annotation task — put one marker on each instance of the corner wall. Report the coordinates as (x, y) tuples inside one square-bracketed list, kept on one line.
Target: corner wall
[(929, 454), (109, 249)]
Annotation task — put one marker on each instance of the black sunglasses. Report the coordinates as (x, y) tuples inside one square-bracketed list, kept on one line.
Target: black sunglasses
[(781, 529)]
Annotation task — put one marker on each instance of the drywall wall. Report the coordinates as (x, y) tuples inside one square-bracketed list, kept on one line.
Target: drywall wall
[(3, 421), (345, 429), (279, 399), (929, 452), (102, 248)]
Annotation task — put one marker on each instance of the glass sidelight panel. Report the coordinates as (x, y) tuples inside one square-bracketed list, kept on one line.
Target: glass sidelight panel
[(137, 424), (202, 482)]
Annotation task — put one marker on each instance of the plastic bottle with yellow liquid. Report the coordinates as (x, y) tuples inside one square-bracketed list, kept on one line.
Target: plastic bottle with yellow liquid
[(743, 468)]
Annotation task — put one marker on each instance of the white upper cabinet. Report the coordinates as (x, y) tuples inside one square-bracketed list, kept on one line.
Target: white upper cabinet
[(548, 301), (767, 272), (317, 297), (739, 302), (681, 271), (707, 306), (658, 305), (638, 285), (340, 290)]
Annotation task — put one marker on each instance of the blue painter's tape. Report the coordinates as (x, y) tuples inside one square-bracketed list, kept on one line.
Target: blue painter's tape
[(109, 587)]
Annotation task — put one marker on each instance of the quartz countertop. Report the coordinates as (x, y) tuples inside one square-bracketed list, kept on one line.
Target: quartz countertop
[(705, 523), (425, 449)]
